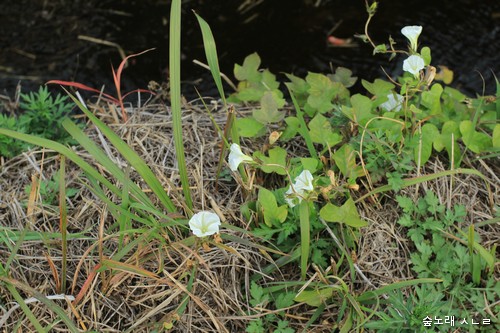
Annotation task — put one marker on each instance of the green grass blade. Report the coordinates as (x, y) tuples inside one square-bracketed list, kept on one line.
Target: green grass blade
[(303, 127), (305, 235), (175, 95), (100, 157), (417, 180), (25, 308), (131, 156), (63, 221), (39, 296), (372, 294), (7, 236), (124, 220), (70, 154), (211, 54)]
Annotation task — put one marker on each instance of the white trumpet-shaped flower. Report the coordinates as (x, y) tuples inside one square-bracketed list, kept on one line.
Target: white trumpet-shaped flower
[(414, 64), (412, 32), (236, 157), (303, 183), (393, 103), (204, 224)]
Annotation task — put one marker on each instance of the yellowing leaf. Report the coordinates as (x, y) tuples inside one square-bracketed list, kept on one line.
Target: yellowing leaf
[(268, 112), (445, 74), (249, 71), (314, 297)]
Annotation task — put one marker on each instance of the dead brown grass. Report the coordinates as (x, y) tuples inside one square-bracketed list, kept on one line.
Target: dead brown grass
[(122, 302)]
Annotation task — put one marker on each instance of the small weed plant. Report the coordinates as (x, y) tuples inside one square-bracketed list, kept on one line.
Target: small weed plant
[(49, 190), (41, 115)]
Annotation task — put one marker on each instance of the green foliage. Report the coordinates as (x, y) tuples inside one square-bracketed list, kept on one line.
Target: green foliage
[(10, 147), (262, 299), (379, 138), (44, 115), (429, 226), (41, 115)]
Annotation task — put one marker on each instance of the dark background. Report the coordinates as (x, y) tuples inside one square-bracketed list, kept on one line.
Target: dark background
[(39, 39)]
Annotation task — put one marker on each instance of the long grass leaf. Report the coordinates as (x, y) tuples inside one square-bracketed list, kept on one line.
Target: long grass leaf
[(49, 303), (63, 221), (131, 156), (175, 96), (372, 294), (70, 154), (31, 317), (100, 157), (417, 180), (211, 54)]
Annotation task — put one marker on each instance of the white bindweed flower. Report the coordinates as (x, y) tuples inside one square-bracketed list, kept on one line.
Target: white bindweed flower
[(204, 224), (414, 64), (393, 103), (236, 157), (303, 183), (412, 32)]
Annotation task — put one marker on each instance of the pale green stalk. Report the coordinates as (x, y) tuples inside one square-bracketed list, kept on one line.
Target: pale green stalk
[(305, 237), (63, 221), (175, 95)]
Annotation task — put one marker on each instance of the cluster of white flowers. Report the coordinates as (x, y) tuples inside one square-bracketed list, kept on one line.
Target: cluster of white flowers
[(302, 183), (414, 63)]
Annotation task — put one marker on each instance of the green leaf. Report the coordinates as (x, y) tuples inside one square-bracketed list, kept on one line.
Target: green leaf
[(405, 203), (259, 297), (291, 130), (298, 85), (450, 133), (321, 92), (314, 297), (321, 131), (249, 71), (309, 163), (496, 136), (381, 48), (249, 127), (474, 140), (360, 112), (432, 99), (273, 215), (268, 112), (345, 159), (255, 326), (277, 155), (284, 300), (249, 94), (427, 137), (425, 52), (269, 81), (378, 87), (211, 54), (344, 76), (347, 214)]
